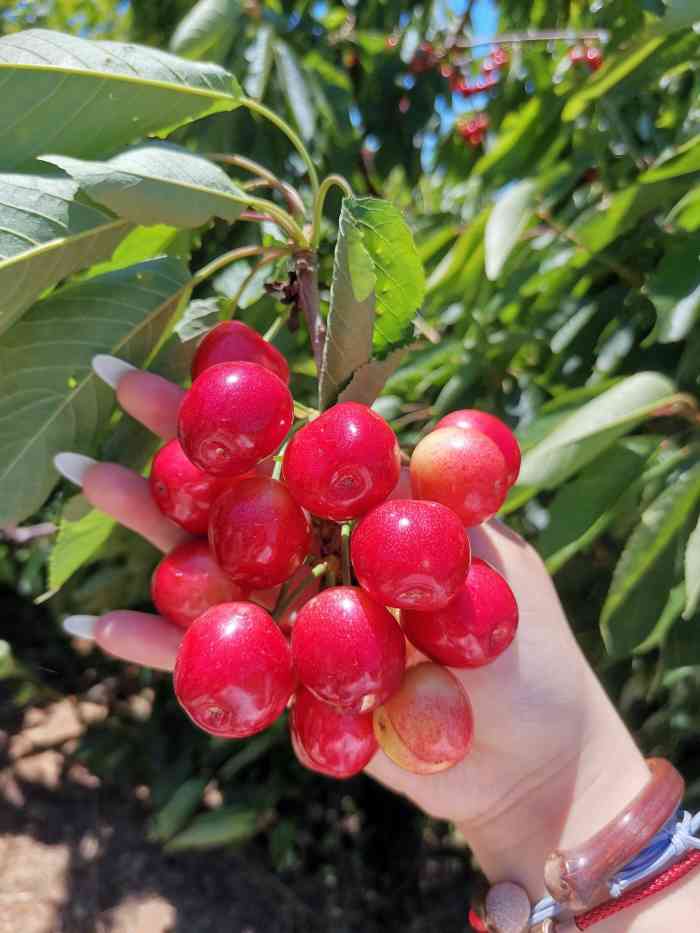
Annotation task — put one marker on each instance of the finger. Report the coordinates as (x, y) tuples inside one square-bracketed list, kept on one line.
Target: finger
[(147, 397), (127, 497), (137, 637)]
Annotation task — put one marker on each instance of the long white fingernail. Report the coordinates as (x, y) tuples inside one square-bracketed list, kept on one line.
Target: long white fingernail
[(80, 626), (73, 466), (110, 369)]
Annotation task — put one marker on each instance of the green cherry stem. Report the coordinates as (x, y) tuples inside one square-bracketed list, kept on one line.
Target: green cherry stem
[(286, 599), (265, 177), (242, 252), (271, 255), (331, 181), (276, 326), (345, 532), (256, 107)]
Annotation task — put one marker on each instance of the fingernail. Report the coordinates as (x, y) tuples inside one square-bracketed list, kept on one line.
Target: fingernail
[(73, 466), (80, 626), (110, 369)]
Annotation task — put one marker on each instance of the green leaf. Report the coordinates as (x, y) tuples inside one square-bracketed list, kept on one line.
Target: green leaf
[(259, 56), (509, 217), (684, 161), (592, 428), (209, 25), (223, 827), (686, 213), (81, 533), (294, 87), (45, 235), (369, 380), (692, 573), (173, 816), (228, 283), (198, 318), (584, 508), (682, 647), (141, 244), (641, 579), (674, 289), (87, 99), (49, 398), (158, 183)]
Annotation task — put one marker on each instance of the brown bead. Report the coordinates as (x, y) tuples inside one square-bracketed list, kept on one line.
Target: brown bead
[(507, 908)]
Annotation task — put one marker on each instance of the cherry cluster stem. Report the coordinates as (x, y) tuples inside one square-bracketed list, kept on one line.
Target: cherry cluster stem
[(286, 599)]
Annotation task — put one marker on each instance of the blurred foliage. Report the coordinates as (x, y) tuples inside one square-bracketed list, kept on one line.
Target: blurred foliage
[(563, 292)]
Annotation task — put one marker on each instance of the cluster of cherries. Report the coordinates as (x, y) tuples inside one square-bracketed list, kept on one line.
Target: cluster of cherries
[(256, 589), (472, 130), (590, 55)]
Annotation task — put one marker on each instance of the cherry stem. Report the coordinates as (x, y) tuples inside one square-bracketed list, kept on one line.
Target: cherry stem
[(271, 255), (276, 326), (265, 177), (345, 531), (533, 35), (241, 252), (310, 302), (286, 599), (331, 181)]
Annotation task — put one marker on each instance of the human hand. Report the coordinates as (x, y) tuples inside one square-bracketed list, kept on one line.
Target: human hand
[(538, 773)]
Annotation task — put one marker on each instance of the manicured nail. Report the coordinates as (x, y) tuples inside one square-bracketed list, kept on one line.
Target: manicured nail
[(110, 369), (80, 626), (73, 466)]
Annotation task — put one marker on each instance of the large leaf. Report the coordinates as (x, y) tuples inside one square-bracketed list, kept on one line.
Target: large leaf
[(369, 380), (144, 243), (45, 235), (674, 290), (82, 98), (81, 533), (692, 572), (50, 400), (158, 183), (210, 25), (295, 89), (507, 220), (594, 427), (640, 584)]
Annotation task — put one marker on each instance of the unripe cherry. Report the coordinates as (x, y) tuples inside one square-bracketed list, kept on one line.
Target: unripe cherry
[(348, 650), (427, 725), (463, 470), (333, 742), (410, 554), (258, 534), (233, 416), (234, 341), (188, 581), (491, 426), (182, 491), (343, 463), (233, 674), (474, 628)]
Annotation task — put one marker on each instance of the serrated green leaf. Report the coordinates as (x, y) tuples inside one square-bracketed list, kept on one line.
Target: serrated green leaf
[(369, 380), (45, 235), (685, 161), (81, 533), (642, 575), (591, 429), (674, 289), (173, 816), (224, 827), (158, 183), (293, 85), (692, 573), (50, 400), (106, 95), (259, 56), (509, 217), (209, 25)]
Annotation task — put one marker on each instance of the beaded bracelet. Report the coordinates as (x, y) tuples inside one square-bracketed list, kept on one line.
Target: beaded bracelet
[(645, 849)]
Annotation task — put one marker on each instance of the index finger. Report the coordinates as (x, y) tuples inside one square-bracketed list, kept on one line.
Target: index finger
[(148, 398)]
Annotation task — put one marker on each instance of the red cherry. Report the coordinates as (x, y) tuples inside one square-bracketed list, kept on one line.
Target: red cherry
[(188, 581), (410, 554), (473, 628), (427, 725), (463, 470), (234, 341), (594, 58), (348, 650), (182, 491), (235, 415), (343, 463), (577, 54), (333, 742), (491, 426), (258, 534), (476, 923), (233, 674), (500, 57), (404, 104), (488, 65), (268, 598)]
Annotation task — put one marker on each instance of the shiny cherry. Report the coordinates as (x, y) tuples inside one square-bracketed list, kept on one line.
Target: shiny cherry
[(188, 581), (343, 463), (234, 674), (427, 725), (258, 534), (233, 416), (491, 426), (182, 491), (410, 554), (333, 742), (463, 470), (473, 628), (348, 650), (234, 341)]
